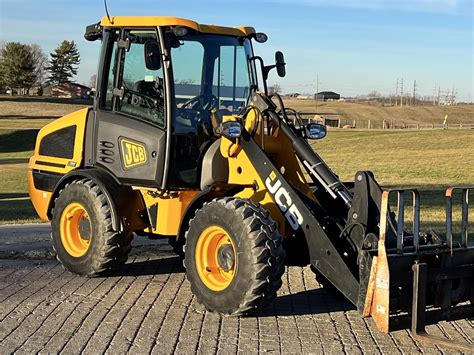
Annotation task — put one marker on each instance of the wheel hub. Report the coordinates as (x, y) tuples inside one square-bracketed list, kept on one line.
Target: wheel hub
[(216, 258), (85, 228), (75, 229), (226, 257)]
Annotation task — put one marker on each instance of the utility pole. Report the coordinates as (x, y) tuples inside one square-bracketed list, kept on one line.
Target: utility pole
[(439, 94), (396, 94), (401, 94), (434, 95), (414, 93), (317, 86)]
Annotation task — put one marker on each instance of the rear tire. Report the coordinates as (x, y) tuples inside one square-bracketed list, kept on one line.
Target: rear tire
[(82, 233), (243, 270)]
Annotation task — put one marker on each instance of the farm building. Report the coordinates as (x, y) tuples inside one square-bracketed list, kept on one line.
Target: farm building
[(327, 96), (67, 90)]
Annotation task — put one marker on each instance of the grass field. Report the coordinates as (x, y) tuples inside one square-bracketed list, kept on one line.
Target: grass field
[(430, 160)]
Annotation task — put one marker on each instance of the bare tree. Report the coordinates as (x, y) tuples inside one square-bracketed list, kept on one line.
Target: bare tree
[(92, 81), (274, 89), (41, 61)]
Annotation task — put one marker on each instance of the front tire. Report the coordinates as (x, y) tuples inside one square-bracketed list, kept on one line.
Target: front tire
[(82, 233), (233, 256)]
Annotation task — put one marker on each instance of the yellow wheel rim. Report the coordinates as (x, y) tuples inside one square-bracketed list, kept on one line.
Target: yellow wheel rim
[(75, 230), (216, 259)]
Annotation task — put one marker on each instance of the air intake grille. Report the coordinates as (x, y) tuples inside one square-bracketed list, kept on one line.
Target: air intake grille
[(59, 144)]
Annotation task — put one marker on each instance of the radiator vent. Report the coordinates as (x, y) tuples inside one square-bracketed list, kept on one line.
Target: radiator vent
[(59, 144)]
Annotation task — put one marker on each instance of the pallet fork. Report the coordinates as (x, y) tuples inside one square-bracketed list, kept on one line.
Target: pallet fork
[(440, 274)]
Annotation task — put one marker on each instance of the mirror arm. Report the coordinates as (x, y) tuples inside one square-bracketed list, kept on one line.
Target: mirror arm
[(264, 70)]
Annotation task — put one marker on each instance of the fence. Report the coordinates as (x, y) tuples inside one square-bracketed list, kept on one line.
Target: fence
[(377, 124)]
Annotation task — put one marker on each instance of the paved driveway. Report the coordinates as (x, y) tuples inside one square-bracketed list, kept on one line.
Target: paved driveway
[(148, 306)]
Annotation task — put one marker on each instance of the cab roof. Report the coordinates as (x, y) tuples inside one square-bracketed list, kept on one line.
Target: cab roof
[(154, 21)]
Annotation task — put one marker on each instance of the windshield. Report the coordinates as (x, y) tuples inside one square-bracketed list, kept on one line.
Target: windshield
[(212, 70)]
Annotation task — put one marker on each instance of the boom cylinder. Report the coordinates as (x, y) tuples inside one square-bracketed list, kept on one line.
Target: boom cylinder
[(314, 164)]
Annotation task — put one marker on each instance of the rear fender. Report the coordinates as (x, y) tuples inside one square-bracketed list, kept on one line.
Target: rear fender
[(127, 206)]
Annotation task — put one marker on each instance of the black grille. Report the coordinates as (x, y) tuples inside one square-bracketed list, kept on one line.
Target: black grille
[(59, 144), (45, 181)]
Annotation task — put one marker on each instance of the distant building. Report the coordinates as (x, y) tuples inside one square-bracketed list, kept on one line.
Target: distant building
[(327, 96), (67, 90), (303, 97)]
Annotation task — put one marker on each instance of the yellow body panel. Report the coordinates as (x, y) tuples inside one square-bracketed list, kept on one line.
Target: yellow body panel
[(41, 199), (170, 210), (77, 118), (155, 21), (242, 170)]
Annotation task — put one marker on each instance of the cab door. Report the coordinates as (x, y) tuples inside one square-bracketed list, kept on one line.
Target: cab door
[(127, 133)]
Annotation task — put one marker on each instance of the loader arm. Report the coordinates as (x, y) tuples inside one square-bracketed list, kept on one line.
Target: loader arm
[(324, 254), (396, 276)]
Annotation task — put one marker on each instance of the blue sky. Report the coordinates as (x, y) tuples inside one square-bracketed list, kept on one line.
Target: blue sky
[(354, 46)]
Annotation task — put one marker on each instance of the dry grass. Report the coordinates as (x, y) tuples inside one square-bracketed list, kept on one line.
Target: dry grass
[(430, 160), (362, 113), (18, 107)]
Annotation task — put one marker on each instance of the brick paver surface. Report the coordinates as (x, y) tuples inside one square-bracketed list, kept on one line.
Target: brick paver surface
[(148, 307)]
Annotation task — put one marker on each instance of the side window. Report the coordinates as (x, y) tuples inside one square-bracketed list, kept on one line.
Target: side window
[(231, 80), (143, 88), (106, 100)]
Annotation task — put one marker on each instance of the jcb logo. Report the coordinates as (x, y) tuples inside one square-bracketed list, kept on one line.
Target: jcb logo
[(133, 153), (284, 201)]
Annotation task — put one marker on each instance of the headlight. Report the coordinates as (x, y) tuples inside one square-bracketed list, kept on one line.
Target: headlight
[(180, 31), (315, 131)]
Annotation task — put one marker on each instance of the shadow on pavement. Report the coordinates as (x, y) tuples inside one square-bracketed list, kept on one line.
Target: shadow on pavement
[(159, 266), (306, 303)]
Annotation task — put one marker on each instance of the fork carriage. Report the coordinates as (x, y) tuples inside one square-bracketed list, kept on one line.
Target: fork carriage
[(412, 285)]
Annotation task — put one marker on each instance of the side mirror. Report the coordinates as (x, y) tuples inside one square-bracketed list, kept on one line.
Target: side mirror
[(315, 131), (152, 55), (280, 64), (230, 129)]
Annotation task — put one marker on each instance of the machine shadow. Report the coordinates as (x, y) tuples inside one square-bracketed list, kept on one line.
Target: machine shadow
[(305, 303), (308, 302), (163, 265)]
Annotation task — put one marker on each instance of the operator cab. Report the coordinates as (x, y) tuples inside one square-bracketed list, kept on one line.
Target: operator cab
[(211, 74), (164, 88)]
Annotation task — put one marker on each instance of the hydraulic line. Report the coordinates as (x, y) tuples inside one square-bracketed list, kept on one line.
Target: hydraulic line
[(314, 164)]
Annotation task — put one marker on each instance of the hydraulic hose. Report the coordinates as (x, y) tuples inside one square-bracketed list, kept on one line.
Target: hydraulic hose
[(313, 163)]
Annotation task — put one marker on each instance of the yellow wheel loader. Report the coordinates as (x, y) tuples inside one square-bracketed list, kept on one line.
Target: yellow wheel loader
[(184, 142)]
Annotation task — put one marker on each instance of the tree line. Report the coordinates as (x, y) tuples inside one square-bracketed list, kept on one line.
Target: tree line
[(23, 66)]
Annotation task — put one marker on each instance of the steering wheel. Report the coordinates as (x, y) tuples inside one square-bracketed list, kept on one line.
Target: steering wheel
[(149, 101), (195, 102)]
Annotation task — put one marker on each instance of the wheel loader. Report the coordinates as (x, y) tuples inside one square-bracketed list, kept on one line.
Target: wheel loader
[(184, 142)]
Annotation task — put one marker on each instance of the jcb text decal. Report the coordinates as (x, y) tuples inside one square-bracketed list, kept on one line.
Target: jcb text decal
[(284, 201), (133, 153)]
